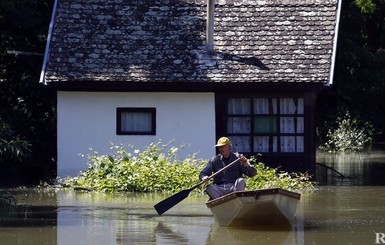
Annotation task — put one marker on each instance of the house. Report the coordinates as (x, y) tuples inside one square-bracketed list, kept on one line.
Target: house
[(190, 71)]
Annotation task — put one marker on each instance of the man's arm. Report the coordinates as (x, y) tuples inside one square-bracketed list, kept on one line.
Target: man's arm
[(206, 171), (249, 170)]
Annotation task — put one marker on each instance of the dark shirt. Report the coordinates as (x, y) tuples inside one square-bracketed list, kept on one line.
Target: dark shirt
[(231, 174)]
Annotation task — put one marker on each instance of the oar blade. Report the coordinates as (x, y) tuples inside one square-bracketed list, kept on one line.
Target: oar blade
[(171, 201)]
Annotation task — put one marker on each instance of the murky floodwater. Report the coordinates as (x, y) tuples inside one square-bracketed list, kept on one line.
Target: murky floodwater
[(334, 214), (329, 215), (351, 169)]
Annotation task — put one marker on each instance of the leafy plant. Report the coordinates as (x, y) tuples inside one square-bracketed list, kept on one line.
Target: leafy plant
[(158, 169), (154, 169), (26, 106), (12, 148), (273, 178), (7, 200), (349, 135)]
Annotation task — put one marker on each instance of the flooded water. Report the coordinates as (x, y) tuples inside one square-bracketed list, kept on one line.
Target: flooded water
[(342, 212), (329, 215), (351, 169)]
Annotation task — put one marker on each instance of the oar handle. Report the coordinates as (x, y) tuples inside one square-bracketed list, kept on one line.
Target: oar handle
[(215, 174)]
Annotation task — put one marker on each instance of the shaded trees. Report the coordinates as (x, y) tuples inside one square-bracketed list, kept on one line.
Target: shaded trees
[(24, 105), (359, 81)]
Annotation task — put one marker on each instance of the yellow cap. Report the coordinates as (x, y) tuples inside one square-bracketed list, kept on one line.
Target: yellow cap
[(223, 141)]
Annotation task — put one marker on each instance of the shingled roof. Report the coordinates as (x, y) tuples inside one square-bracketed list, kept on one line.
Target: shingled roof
[(164, 41)]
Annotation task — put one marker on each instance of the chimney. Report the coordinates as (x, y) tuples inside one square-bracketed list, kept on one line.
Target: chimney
[(210, 26)]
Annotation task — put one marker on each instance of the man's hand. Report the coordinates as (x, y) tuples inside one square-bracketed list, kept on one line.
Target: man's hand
[(244, 160), (205, 178)]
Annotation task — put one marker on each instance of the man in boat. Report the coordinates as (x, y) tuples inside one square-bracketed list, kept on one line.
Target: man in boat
[(230, 179)]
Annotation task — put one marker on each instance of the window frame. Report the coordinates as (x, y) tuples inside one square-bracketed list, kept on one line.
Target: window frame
[(150, 110), (278, 134)]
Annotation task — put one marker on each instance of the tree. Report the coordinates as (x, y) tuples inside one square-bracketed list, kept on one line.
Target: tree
[(25, 106), (359, 81)]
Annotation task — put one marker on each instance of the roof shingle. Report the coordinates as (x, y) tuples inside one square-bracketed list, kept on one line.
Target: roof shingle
[(164, 40)]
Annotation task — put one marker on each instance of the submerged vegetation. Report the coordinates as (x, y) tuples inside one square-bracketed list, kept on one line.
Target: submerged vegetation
[(348, 134), (13, 149), (6, 199), (158, 169), (273, 178)]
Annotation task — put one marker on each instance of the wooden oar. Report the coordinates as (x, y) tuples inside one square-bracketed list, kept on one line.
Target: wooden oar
[(171, 201)]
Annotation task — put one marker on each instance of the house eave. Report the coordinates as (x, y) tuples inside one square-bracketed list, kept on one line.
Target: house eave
[(334, 52), (48, 44), (119, 86)]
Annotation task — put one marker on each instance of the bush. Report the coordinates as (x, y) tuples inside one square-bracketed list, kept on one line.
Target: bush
[(158, 169), (12, 147), (348, 135), (155, 169), (6, 199), (273, 178)]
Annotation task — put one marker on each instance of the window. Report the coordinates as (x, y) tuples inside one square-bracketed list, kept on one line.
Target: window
[(266, 124), (135, 121)]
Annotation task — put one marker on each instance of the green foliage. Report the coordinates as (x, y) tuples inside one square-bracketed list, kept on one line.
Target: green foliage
[(348, 134), (26, 106), (12, 148), (368, 6), (359, 78), (273, 178), (158, 169), (7, 200)]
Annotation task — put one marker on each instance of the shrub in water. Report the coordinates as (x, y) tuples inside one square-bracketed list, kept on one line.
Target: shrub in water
[(273, 178), (158, 169), (6, 199), (349, 135)]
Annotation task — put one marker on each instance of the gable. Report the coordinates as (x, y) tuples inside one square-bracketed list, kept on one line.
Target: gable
[(165, 41)]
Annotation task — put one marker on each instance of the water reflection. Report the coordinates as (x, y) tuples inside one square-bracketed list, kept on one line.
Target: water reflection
[(68, 217), (33, 222), (341, 213), (352, 168), (247, 235)]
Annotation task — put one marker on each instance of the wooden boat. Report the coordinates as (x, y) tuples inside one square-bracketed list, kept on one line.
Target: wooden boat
[(266, 207)]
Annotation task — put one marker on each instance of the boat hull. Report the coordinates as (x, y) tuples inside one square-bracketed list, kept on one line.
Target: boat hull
[(267, 207)]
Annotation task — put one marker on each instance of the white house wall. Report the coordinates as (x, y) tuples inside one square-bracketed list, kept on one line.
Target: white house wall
[(88, 120)]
